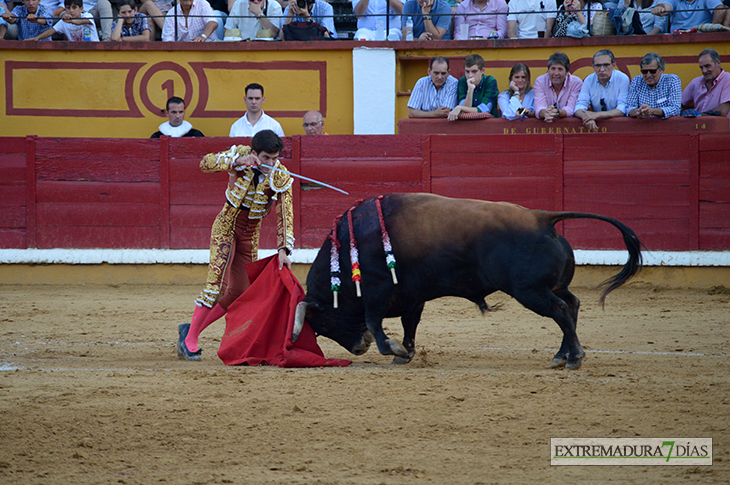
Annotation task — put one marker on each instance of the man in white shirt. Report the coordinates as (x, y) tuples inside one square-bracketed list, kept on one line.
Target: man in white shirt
[(527, 18), (255, 120)]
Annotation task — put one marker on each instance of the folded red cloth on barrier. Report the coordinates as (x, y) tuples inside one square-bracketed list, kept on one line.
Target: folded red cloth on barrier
[(259, 323)]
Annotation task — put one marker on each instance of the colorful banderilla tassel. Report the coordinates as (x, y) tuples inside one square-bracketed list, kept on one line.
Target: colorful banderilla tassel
[(335, 264), (356, 277), (389, 256)]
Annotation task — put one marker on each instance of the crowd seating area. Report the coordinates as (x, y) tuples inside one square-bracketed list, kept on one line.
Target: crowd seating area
[(346, 22)]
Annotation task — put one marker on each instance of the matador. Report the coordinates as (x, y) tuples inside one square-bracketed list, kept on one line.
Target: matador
[(234, 239)]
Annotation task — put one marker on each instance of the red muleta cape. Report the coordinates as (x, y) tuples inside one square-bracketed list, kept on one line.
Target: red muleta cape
[(259, 323)]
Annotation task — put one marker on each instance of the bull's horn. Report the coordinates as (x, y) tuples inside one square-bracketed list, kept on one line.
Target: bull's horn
[(298, 320)]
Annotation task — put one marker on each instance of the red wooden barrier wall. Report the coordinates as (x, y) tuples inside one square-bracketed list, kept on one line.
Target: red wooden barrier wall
[(672, 189)]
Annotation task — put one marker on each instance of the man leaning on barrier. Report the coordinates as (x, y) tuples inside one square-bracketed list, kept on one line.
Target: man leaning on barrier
[(605, 91), (709, 93), (434, 96), (556, 91), (654, 93)]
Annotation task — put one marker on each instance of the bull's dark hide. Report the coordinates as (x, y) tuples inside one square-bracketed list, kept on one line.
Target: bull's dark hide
[(451, 247)]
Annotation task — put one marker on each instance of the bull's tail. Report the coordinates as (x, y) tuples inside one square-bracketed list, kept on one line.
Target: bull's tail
[(633, 245)]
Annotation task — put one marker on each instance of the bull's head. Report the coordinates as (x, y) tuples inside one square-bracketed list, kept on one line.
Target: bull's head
[(356, 338)]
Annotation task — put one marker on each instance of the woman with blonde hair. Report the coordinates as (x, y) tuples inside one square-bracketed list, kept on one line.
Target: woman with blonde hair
[(518, 100)]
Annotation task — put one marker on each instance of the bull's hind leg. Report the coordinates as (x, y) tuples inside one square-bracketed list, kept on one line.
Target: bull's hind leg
[(547, 304), (410, 322), (561, 357)]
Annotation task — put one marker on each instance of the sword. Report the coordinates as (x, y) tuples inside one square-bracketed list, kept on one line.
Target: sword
[(304, 178)]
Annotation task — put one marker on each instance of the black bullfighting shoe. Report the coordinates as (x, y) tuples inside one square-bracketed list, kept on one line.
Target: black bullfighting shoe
[(182, 349)]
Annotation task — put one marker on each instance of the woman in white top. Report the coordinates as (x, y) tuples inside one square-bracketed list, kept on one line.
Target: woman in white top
[(518, 100)]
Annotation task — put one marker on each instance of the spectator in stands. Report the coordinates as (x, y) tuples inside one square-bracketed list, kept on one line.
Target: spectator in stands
[(255, 19), (176, 126), (131, 26), (556, 91), (688, 14), (518, 101), (316, 10), (572, 18), (221, 8), (3, 23), (55, 6), (255, 120), (530, 19), (652, 24), (431, 19), (485, 18), (710, 91), (434, 96), (654, 93), (604, 92), (370, 12), (477, 92), (195, 22), (33, 19), (72, 23), (155, 10), (313, 123), (101, 10)]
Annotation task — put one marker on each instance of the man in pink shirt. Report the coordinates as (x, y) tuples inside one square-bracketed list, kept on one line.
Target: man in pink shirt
[(556, 92), (710, 91), (485, 19)]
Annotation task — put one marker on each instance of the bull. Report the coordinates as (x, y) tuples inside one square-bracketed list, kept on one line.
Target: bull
[(450, 247)]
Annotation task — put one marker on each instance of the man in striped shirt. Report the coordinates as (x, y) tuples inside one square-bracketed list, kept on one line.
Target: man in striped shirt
[(434, 96)]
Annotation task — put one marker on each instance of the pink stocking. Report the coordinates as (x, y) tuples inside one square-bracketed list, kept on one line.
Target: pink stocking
[(202, 317)]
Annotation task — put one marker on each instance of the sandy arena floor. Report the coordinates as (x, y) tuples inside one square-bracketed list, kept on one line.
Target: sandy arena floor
[(92, 391)]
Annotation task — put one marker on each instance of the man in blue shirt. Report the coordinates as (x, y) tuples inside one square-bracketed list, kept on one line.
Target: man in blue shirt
[(317, 10), (605, 91), (688, 14), (654, 93), (33, 19), (431, 19)]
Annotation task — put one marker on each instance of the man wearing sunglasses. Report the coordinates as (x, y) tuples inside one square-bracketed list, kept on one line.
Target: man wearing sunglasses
[(605, 91), (654, 93)]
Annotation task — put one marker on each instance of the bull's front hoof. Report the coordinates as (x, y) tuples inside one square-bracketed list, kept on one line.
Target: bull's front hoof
[(391, 347), (557, 363), (402, 360), (574, 364)]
